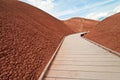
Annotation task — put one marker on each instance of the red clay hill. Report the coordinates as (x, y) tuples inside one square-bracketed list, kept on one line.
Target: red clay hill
[(107, 32), (80, 24), (28, 38)]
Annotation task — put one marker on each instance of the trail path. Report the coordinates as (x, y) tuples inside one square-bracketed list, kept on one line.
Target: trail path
[(79, 59)]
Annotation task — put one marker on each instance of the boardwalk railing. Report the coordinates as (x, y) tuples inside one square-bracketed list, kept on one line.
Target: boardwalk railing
[(108, 49), (50, 61)]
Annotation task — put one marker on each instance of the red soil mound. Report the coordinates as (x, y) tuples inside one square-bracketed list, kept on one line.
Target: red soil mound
[(28, 38), (107, 32), (80, 24)]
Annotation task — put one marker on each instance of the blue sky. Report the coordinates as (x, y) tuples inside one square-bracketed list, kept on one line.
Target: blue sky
[(65, 9)]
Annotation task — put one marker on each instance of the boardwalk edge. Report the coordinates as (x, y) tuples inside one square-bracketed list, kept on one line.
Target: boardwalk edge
[(51, 59), (108, 49)]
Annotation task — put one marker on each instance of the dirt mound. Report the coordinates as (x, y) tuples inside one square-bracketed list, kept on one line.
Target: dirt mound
[(28, 38), (80, 24), (107, 32)]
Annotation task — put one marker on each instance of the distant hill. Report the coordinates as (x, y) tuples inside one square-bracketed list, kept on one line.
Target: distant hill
[(28, 39), (107, 32), (80, 24)]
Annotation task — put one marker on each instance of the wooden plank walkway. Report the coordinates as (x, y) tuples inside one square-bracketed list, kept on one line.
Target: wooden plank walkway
[(79, 59)]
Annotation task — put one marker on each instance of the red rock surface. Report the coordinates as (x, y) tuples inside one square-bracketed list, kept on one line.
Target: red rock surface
[(80, 24), (107, 32), (28, 38)]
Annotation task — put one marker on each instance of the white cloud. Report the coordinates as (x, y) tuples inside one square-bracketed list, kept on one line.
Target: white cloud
[(117, 9), (46, 5), (49, 6), (76, 10), (62, 13), (98, 15)]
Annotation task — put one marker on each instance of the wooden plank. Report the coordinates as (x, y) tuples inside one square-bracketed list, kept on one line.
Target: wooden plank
[(79, 59)]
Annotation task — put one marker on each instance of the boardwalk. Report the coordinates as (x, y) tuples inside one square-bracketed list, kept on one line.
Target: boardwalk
[(79, 59)]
